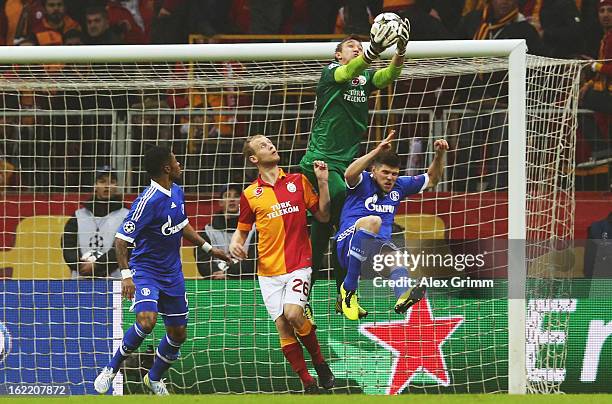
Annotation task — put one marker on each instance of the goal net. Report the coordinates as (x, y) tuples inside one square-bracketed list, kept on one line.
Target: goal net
[(65, 124)]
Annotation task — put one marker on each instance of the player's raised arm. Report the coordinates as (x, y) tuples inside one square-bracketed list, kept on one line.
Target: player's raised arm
[(322, 174), (436, 168), (353, 172)]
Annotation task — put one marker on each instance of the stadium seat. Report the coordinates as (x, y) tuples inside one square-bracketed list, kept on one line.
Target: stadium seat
[(422, 226), (190, 270), (37, 253)]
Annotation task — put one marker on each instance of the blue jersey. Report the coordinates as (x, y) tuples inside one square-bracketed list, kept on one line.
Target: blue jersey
[(155, 225), (366, 199)]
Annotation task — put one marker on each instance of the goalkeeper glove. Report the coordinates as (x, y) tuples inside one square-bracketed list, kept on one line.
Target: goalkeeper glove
[(403, 35), (379, 41)]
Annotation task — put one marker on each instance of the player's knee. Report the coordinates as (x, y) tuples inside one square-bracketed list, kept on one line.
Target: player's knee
[(293, 314), (146, 321), (370, 223), (177, 334)]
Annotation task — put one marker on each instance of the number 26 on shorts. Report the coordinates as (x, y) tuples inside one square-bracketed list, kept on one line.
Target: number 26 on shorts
[(300, 286)]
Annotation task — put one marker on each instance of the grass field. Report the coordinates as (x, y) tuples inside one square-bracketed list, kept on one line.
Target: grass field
[(327, 399)]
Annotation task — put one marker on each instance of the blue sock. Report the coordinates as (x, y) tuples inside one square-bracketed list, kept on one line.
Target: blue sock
[(167, 352), (357, 255), (396, 275), (132, 339)]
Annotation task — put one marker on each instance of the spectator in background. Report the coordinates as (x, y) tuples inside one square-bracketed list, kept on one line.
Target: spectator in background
[(19, 15), (596, 94), (598, 250), (558, 24), (501, 19), (53, 24), (87, 241), (591, 28), (219, 234), (133, 19), (99, 31)]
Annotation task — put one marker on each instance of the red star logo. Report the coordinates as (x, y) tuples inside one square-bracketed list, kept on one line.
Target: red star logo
[(416, 343)]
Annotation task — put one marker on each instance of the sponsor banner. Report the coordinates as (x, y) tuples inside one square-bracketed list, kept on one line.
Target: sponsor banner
[(54, 335), (233, 346), (448, 343)]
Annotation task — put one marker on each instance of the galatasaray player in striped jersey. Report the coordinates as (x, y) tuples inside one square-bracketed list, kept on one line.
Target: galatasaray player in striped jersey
[(277, 202)]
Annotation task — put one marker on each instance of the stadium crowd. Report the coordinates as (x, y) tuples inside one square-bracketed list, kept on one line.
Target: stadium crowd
[(564, 28), (578, 29)]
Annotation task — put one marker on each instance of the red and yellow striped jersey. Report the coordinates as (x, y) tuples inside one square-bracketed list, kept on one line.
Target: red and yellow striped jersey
[(279, 213)]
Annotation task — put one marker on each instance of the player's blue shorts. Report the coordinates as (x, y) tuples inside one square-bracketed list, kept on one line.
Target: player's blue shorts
[(343, 246), (165, 296)]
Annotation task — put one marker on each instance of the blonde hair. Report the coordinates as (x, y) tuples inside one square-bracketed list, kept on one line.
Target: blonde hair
[(247, 149)]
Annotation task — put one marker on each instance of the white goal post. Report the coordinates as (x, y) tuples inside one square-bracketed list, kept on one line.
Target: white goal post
[(514, 51)]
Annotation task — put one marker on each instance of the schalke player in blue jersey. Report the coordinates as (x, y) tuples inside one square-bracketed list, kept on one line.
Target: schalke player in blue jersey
[(154, 278), (368, 213)]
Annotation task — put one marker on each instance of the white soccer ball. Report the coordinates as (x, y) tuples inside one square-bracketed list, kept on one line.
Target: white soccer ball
[(391, 19)]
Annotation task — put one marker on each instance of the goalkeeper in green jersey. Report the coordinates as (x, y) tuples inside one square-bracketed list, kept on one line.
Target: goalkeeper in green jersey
[(341, 119)]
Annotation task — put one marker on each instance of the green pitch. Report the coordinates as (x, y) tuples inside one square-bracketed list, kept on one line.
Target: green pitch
[(325, 399)]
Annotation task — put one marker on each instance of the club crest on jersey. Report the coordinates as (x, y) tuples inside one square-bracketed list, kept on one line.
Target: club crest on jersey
[(358, 81), (291, 187), (258, 192), (370, 204), (145, 291), (394, 195), (129, 227)]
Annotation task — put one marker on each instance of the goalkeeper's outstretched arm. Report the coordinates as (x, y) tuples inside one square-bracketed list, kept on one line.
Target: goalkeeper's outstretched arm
[(352, 69), (386, 76)]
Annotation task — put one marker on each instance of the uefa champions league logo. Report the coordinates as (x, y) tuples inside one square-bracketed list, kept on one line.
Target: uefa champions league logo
[(5, 342), (129, 227)]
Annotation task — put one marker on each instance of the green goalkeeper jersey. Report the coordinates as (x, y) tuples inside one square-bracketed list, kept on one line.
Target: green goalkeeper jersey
[(341, 118)]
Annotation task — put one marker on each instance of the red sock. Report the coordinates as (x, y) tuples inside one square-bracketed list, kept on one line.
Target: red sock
[(295, 356), (309, 339)]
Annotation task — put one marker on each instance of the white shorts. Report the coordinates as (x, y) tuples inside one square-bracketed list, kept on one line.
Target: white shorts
[(292, 288)]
